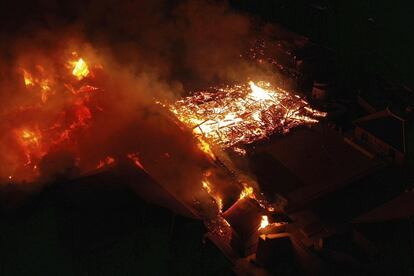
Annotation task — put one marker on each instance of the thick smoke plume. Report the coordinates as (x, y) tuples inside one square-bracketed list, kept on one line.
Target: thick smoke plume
[(139, 52)]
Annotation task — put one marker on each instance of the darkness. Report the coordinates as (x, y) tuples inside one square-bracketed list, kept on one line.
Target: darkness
[(107, 230), (101, 228), (366, 36)]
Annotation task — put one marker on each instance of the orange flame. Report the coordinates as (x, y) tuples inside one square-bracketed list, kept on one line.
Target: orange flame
[(28, 79), (80, 69), (207, 187), (62, 120), (264, 222), (135, 158), (30, 142), (30, 137), (243, 114), (246, 192), (205, 147)]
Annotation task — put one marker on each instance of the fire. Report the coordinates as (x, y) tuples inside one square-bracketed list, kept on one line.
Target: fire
[(219, 202), (205, 147), (28, 79), (30, 137), (80, 69), (135, 158), (207, 187), (30, 141), (57, 112), (45, 89), (264, 222), (246, 192), (259, 94), (239, 151), (242, 114), (106, 162), (42, 83)]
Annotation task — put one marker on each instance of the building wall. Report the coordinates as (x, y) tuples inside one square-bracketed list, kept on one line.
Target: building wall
[(380, 147)]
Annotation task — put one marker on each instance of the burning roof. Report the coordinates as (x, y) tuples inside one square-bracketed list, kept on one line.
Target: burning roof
[(56, 106), (242, 114)]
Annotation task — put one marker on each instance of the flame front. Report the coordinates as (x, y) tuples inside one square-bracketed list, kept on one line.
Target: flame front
[(242, 114)]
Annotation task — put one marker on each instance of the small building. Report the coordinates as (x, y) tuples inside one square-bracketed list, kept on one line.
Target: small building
[(383, 133)]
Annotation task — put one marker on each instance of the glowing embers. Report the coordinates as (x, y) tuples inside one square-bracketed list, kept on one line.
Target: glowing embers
[(242, 114), (134, 157), (247, 192), (28, 79), (80, 69), (106, 162), (264, 222), (209, 189)]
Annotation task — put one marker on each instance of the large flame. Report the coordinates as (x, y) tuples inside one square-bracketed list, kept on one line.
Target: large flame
[(80, 69), (55, 109), (243, 114)]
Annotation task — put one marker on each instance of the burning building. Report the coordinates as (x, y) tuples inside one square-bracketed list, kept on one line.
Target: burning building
[(207, 132), (182, 151)]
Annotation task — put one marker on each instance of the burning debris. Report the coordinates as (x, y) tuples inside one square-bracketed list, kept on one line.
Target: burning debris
[(68, 93), (264, 223), (58, 108), (247, 192), (209, 189), (242, 114)]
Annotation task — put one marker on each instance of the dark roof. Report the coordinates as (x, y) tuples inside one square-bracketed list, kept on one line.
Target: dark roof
[(320, 160), (387, 127), (401, 207)]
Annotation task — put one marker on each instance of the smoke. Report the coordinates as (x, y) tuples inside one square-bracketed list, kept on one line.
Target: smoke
[(139, 52)]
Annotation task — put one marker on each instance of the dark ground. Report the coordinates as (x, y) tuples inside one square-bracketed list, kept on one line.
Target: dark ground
[(103, 230)]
